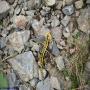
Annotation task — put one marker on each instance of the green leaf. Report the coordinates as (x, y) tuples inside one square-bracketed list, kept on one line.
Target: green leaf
[(3, 81)]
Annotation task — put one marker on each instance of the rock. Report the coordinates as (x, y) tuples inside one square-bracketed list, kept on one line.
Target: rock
[(39, 39), (34, 82), (18, 39), (79, 4), (59, 4), (4, 9), (20, 21), (2, 42), (60, 62), (31, 4), (55, 22), (42, 74), (44, 85), (39, 29), (68, 2), (11, 78), (35, 47), (84, 21), (24, 87), (55, 84), (66, 32), (17, 10), (56, 33), (50, 2), (88, 67), (88, 2), (55, 50), (68, 10), (25, 65), (65, 21), (10, 1)]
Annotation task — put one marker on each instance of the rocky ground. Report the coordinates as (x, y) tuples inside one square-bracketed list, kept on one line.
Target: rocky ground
[(45, 44)]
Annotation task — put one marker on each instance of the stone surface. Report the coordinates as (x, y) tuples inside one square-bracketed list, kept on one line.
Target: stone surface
[(34, 82), (79, 4), (55, 84), (50, 2), (44, 85), (59, 4), (56, 34), (88, 2), (68, 2), (60, 62), (68, 10), (20, 21), (65, 21), (18, 39), (4, 9), (55, 50), (25, 65), (11, 78), (10, 1), (84, 21), (42, 74), (2, 42), (55, 22)]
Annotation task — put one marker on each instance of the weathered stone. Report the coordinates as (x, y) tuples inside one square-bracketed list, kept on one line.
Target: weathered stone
[(25, 65), (65, 21), (10, 1), (68, 10), (50, 2), (79, 4), (55, 84), (59, 4), (55, 22), (20, 21), (4, 9), (55, 50), (44, 85), (84, 21), (60, 62), (2, 42), (56, 34), (18, 39)]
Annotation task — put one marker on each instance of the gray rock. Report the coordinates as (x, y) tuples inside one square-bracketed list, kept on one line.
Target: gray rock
[(2, 42), (50, 2), (68, 10), (24, 87), (25, 65), (66, 32), (55, 84), (55, 50), (68, 2), (34, 82), (59, 4), (56, 33), (18, 39), (84, 21), (88, 2), (65, 20), (11, 78), (79, 4), (44, 85), (17, 10), (10, 1), (4, 9), (33, 4), (42, 74), (60, 62), (55, 22), (88, 66)]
